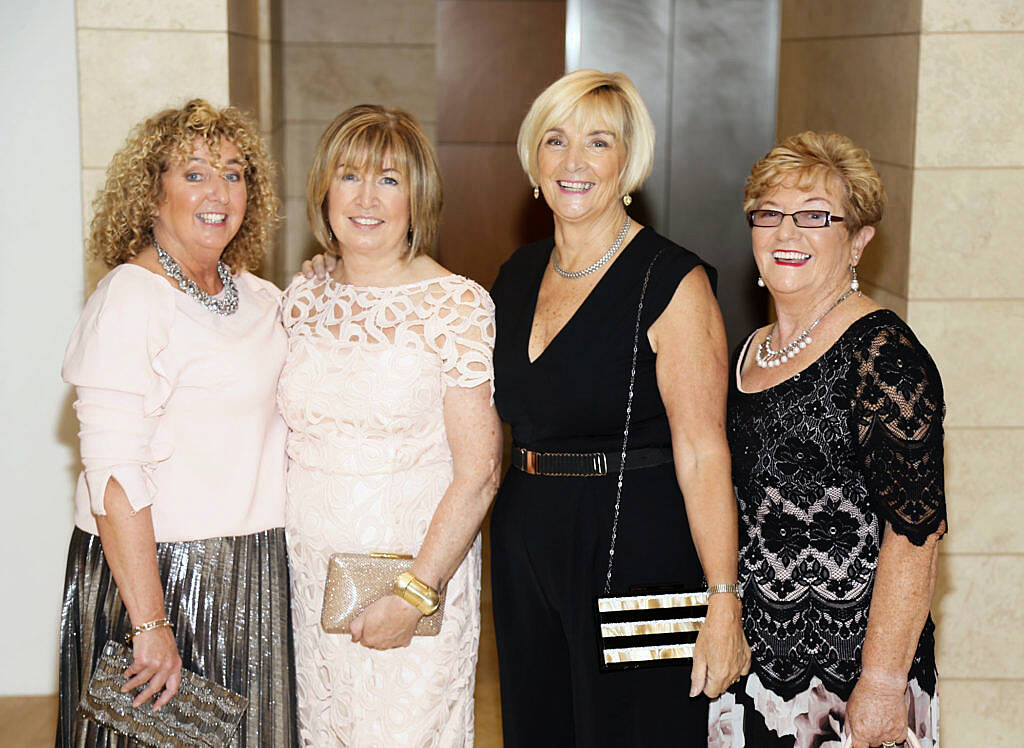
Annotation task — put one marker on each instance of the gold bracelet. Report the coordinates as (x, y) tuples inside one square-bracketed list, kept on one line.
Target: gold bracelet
[(416, 592), (159, 623)]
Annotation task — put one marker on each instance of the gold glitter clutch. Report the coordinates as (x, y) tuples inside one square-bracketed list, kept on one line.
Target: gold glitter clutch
[(202, 713), (357, 580)]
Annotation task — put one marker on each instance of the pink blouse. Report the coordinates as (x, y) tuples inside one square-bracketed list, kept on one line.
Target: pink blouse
[(179, 405)]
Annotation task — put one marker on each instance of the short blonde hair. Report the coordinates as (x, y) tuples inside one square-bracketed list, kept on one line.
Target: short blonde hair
[(802, 159), (585, 94), (366, 137), (122, 222)]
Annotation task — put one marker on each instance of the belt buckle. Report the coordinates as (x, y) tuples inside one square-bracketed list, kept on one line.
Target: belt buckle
[(530, 462)]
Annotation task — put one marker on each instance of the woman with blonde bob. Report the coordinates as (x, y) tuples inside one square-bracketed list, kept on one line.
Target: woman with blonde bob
[(835, 424), (566, 314), (395, 443), (179, 537)]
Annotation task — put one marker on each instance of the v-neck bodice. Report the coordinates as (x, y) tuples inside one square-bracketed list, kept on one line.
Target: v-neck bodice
[(573, 395)]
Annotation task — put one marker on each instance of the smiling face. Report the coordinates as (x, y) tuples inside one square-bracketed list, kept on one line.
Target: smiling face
[(806, 263), (369, 211), (203, 201), (579, 163)]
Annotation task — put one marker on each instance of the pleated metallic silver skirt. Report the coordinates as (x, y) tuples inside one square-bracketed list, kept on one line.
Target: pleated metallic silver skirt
[(228, 599)]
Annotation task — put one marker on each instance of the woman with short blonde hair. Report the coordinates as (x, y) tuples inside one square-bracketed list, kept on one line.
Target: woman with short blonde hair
[(567, 322)]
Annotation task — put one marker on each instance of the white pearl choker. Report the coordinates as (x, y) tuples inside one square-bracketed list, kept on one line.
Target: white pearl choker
[(767, 357)]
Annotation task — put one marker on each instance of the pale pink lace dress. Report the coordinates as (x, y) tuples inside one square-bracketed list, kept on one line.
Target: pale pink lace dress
[(362, 391)]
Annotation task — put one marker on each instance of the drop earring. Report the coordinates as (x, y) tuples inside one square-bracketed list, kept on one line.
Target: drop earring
[(536, 192), (854, 284), (627, 200), (760, 281)]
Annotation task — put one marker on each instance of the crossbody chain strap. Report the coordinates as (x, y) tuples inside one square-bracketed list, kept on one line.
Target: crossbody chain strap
[(625, 430)]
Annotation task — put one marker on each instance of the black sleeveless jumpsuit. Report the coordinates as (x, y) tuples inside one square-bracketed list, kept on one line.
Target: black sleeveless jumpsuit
[(550, 535)]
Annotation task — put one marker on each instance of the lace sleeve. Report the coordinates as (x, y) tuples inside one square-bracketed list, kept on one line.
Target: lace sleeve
[(898, 411), (466, 342)]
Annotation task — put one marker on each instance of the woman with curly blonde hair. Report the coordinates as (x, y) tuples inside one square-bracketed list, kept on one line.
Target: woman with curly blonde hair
[(179, 542)]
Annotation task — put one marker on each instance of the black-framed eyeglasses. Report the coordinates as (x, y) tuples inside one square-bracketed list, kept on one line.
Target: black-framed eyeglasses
[(805, 219)]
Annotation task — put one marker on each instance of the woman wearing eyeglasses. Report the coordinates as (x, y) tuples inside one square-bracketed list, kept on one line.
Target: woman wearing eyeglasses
[(835, 425)]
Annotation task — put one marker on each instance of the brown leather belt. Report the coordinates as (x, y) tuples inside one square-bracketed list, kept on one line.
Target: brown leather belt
[(586, 464)]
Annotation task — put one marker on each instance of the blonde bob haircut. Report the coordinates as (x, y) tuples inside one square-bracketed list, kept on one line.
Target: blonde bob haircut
[(801, 160), (585, 96), (370, 138), (123, 211)]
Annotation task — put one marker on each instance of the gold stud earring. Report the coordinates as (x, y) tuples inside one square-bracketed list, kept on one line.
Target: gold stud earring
[(627, 200), (536, 192)]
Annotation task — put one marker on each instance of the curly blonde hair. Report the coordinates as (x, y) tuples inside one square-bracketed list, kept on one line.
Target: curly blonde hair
[(800, 160), (122, 222)]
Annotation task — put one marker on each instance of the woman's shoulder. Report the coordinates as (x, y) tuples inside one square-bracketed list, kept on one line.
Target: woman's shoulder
[(258, 285), (674, 260), (528, 256), (884, 344), (457, 295), (129, 289)]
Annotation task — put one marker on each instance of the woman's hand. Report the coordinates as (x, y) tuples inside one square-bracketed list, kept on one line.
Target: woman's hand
[(320, 266), (877, 710), (157, 664), (721, 655), (388, 623)]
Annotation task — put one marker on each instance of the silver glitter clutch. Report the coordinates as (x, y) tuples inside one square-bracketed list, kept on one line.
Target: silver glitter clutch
[(202, 713), (357, 580)]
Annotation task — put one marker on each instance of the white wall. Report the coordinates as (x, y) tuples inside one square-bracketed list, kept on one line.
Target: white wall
[(40, 298)]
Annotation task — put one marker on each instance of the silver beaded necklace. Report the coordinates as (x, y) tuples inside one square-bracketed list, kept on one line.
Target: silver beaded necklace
[(225, 306), (600, 260), (767, 357)]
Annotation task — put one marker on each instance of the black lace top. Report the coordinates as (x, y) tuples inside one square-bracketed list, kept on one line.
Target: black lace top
[(821, 462)]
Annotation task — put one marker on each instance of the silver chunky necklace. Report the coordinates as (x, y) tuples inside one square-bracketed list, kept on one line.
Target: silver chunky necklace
[(600, 260), (227, 305), (766, 356)]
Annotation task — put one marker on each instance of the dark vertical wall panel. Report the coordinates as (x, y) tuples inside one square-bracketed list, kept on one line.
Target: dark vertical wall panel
[(493, 58)]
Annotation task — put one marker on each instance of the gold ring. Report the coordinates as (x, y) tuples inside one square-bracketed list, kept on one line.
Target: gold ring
[(889, 744)]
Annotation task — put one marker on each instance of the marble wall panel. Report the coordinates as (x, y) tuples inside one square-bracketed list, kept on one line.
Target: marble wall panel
[(976, 15), (966, 233), (978, 713), (874, 80), (180, 15), (968, 104), (803, 19), (360, 22), (974, 344), (983, 496), (320, 81), (979, 613), (117, 91)]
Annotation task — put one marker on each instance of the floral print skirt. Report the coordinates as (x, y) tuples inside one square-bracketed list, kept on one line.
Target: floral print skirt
[(751, 715)]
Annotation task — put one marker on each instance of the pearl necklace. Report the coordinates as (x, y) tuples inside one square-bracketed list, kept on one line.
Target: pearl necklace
[(767, 357), (600, 260), (227, 305)]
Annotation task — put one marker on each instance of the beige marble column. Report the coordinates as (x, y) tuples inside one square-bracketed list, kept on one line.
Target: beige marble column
[(933, 89), (136, 58), (966, 303)]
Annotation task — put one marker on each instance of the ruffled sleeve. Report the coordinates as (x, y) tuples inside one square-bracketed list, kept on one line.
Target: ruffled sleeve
[(116, 361), (898, 411), (466, 342)]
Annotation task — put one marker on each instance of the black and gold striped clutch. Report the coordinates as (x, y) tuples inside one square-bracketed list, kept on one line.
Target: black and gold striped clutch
[(649, 630)]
